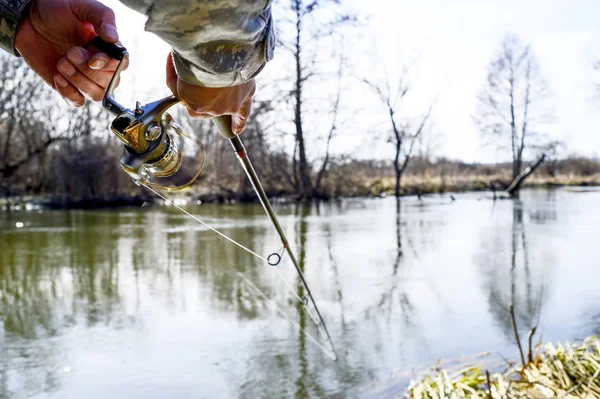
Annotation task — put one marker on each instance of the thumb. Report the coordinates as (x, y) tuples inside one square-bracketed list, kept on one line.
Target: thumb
[(99, 15), (238, 121)]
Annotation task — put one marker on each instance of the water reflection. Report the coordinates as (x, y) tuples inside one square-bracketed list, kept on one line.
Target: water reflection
[(315, 375), (74, 272), (509, 278), (306, 386), (147, 302), (58, 278), (397, 294)]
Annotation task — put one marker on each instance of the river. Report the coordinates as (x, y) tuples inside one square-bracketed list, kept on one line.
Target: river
[(148, 303)]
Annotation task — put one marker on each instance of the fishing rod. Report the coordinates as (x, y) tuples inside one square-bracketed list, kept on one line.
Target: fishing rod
[(151, 151)]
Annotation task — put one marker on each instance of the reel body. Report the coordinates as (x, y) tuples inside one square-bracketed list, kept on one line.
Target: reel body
[(148, 139), (148, 132)]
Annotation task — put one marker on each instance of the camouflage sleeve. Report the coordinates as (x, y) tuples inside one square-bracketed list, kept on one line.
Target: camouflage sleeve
[(10, 12), (216, 43)]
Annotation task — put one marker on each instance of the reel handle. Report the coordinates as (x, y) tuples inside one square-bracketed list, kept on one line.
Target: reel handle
[(113, 50)]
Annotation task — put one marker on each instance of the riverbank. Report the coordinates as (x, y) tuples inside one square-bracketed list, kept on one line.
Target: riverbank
[(355, 187), (41, 202), (423, 185), (557, 371)]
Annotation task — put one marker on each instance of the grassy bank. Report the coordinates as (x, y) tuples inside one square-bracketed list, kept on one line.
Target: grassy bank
[(424, 184), (555, 371), (355, 185)]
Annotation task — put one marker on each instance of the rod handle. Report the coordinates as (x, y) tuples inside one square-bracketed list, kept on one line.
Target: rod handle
[(223, 124)]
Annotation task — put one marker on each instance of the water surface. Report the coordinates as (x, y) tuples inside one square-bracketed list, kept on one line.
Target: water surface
[(145, 303)]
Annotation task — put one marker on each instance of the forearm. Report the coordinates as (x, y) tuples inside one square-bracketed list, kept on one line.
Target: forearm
[(10, 13), (216, 43)]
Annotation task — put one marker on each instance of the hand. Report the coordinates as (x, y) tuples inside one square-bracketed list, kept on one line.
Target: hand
[(209, 102), (50, 39)]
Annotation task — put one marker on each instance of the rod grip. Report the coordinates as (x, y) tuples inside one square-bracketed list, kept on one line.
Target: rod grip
[(113, 50), (223, 124)]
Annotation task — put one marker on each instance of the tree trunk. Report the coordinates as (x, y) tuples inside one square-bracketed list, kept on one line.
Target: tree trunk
[(517, 166), (303, 167), (336, 105), (398, 169), (513, 129), (513, 187)]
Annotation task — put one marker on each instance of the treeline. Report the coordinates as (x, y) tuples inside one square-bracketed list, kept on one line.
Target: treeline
[(441, 175), (65, 157), (68, 157), (82, 170)]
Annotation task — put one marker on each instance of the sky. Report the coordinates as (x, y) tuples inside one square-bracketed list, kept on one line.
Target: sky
[(449, 45)]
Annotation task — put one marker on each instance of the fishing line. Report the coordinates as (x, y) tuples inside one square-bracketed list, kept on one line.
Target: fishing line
[(257, 291), (205, 224), (302, 300)]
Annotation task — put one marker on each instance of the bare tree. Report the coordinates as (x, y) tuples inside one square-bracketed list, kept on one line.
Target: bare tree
[(47, 147), (404, 132), (86, 166), (302, 25), (332, 130), (512, 104), (30, 122)]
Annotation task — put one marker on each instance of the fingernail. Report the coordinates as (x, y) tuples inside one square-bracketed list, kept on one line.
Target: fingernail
[(71, 103), (62, 82), (97, 64), (76, 57), (67, 68), (111, 31)]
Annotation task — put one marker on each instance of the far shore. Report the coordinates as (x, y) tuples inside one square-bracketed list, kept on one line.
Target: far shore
[(412, 185)]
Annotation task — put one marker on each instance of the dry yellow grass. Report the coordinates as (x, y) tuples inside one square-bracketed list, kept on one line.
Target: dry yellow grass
[(419, 184), (558, 371)]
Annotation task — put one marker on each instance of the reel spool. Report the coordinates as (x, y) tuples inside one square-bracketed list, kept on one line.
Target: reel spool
[(152, 139)]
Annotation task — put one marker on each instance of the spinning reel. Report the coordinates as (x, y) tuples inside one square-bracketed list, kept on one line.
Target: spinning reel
[(149, 133)]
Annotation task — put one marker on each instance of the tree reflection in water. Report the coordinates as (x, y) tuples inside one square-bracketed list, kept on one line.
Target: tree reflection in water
[(378, 270), (53, 278), (270, 377), (514, 278)]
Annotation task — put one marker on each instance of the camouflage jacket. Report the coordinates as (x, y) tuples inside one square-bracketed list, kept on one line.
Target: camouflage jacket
[(215, 43)]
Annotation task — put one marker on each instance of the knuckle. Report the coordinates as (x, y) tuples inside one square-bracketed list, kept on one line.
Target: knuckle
[(197, 115), (243, 115), (108, 13), (198, 108)]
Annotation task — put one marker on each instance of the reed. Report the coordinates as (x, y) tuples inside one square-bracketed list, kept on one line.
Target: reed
[(555, 371)]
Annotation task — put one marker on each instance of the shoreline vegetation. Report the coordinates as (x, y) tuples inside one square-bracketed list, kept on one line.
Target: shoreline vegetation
[(355, 187), (569, 370)]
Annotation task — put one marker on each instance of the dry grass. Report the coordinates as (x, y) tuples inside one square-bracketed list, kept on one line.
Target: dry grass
[(557, 371), (419, 184)]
